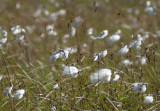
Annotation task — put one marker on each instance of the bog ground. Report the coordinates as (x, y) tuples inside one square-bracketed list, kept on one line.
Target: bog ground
[(79, 55)]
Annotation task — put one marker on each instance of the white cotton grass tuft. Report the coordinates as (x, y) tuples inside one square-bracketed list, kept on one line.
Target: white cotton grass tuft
[(46, 12), (123, 50), (61, 12), (116, 76), (70, 70), (77, 20), (137, 43), (150, 10), (143, 60), (132, 44), (63, 54), (3, 32), (50, 30), (101, 36), (8, 91), (53, 16), (103, 75), (19, 38), (3, 36), (100, 55), (114, 38), (148, 3), (17, 30), (19, 94), (3, 40), (18, 5), (90, 31), (126, 62), (158, 34), (55, 56), (139, 87), (59, 54), (30, 29), (73, 31), (53, 108), (71, 50), (1, 77), (65, 36), (148, 99), (37, 13), (55, 86)]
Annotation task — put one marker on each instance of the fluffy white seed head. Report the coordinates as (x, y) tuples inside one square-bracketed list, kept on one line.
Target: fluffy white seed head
[(53, 16), (53, 108), (61, 12), (116, 77), (100, 55), (71, 50), (70, 70), (143, 60), (101, 36), (3, 33), (54, 57), (52, 33), (158, 33), (126, 62), (103, 75), (132, 44), (73, 31), (65, 36), (37, 13), (148, 3), (139, 87), (49, 28), (19, 94), (148, 99), (150, 10), (8, 90), (118, 31), (113, 38), (3, 40), (63, 54), (55, 86), (90, 31), (46, 12), (136, 43), (123, 50), (19, 38), (17, 30), (18, 5), (1, 77)]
